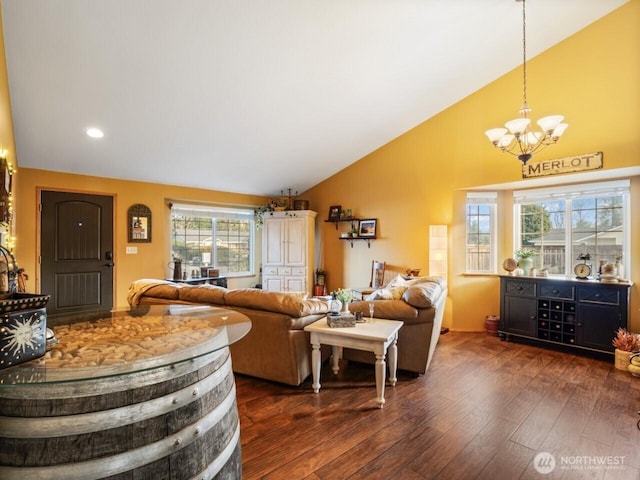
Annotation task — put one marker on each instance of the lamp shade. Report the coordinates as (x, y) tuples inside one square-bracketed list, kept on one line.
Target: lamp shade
[(495, 134), (506, 140), (518, 125), (549, 124), (559, 130)]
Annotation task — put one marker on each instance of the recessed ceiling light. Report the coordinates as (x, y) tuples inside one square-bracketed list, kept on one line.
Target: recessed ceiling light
[(95, 132)]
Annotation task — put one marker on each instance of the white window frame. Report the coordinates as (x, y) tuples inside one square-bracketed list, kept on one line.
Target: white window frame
[(489, 199), (219, 213), (571, 192)]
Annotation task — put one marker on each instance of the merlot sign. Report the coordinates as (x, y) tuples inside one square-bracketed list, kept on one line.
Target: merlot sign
[(576, 163)]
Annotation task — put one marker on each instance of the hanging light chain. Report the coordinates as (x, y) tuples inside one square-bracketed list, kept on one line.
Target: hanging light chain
[(519, 138), (524, 55)]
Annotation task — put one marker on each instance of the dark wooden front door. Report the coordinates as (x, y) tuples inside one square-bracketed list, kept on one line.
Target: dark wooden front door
[(76, 251)]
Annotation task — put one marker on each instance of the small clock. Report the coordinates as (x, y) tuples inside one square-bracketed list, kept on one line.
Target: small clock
[(582, 270)]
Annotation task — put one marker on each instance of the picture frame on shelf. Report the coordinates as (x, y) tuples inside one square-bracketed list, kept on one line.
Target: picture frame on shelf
[(334, 212), (367, 228)]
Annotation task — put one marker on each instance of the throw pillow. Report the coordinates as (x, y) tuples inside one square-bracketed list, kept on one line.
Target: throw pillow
[(422, 295)]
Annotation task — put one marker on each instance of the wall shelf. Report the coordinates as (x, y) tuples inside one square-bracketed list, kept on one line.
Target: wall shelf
[(350, 220), (352, 239)]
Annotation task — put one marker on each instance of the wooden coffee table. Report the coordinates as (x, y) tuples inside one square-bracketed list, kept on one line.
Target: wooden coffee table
[(376, 335)]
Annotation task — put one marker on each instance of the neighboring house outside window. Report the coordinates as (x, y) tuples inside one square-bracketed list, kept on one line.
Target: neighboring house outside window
[(216, 237), (481, 254), (562, 223)]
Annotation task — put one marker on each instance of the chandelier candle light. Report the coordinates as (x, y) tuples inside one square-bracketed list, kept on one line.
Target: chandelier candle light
[(519, 138)]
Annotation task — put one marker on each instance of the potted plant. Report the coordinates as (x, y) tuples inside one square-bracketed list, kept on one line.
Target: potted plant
[(345, 295), (625, 344), (525, 259), (268, 208)]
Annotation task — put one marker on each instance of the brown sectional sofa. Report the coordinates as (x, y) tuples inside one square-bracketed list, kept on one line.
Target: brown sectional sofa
[(277, 347)]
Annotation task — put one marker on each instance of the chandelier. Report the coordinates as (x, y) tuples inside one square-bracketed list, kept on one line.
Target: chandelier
[(519, 138)]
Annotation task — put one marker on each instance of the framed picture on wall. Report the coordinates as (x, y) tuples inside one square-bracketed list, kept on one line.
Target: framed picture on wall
[(334, 212), (367, 228), (139, 223)]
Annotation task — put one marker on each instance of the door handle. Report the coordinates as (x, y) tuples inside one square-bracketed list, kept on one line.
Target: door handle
[(110, 264)]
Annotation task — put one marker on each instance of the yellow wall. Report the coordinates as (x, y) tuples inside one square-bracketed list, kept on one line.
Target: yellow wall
[(414, 181), (152, 259)]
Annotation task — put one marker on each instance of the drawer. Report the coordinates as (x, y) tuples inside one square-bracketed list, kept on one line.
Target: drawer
[(594, 294), (267, 270), (519, 288), (565, 292), (301, 271), (284, 270)]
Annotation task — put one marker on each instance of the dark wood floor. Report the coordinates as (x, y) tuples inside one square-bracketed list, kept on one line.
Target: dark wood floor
[(484, 409)]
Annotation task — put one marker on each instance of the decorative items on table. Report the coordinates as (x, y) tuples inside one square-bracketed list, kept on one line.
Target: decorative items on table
[(339, 315), (335, 305), (510, 265), (525, 260), (341, 320), (583, 269), (412, 272), (625, 344), (345, 295), (634, 368)]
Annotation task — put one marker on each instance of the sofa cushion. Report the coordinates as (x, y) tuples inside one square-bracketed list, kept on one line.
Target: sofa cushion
[(387, 293), (293, 304), (211, 294), (401, 280), (423, 294)]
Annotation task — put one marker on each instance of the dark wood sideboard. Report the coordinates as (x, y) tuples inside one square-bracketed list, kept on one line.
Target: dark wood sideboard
[(577, 313)]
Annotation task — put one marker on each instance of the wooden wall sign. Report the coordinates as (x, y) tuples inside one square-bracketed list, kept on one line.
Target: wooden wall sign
[(576, 163)]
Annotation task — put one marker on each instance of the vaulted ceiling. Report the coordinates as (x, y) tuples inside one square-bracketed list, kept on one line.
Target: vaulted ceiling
[(252, 96)]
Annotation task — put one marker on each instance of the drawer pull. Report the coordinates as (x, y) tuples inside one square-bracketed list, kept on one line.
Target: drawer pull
[(555, 291), (519, 288)]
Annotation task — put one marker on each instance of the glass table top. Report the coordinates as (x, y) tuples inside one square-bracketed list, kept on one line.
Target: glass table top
[(102, 344)]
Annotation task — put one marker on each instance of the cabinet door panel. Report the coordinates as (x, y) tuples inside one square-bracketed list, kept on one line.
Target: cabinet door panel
[(273, 284), (597, 325), (273, 242), (296, 242), (520, 315), (296, 284)]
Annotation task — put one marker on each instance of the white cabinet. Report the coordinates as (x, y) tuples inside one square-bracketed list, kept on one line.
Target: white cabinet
[(288, 244)]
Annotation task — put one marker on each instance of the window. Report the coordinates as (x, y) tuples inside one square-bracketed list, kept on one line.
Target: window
[(216, 237), (481, 232), (561, 223)]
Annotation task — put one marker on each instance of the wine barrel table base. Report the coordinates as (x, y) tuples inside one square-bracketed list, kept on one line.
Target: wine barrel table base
[(173, 422)]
